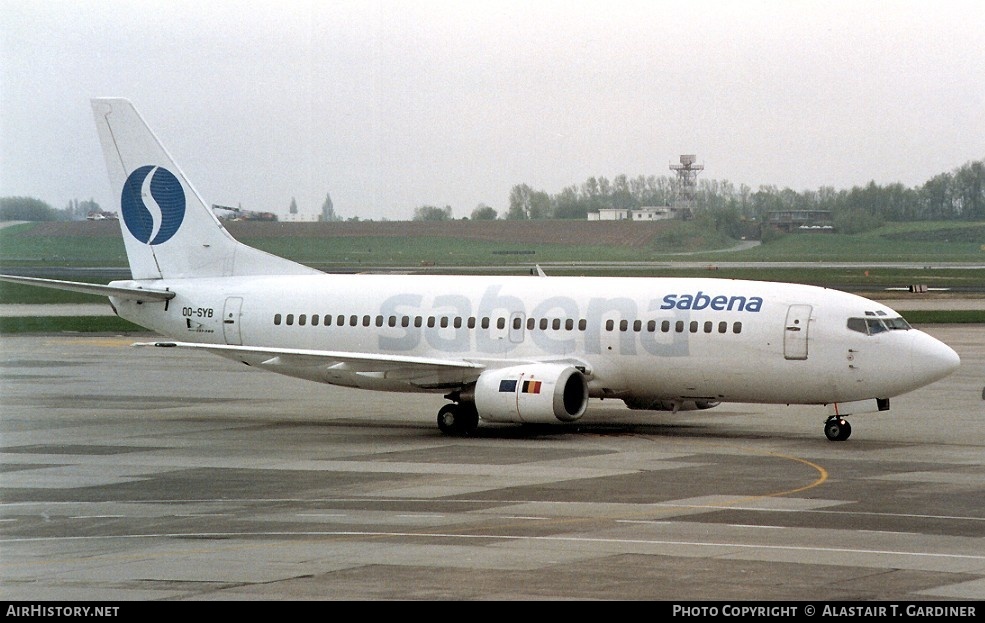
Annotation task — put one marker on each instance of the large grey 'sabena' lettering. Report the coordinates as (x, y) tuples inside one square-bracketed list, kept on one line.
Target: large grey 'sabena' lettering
[(596, 338)]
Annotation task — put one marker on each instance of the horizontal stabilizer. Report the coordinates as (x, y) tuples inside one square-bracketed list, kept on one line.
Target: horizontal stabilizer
[(120, 292)]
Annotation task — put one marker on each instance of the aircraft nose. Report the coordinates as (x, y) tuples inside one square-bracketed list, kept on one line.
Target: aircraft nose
[(932, 359)]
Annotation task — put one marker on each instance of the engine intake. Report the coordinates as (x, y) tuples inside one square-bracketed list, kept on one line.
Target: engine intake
[(536, 393)]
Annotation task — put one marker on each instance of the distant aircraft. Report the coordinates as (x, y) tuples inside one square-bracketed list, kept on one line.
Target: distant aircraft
[(97, 215), (523, 349)]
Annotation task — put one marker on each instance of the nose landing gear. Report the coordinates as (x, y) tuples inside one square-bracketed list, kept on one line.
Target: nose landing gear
[(837, 428)]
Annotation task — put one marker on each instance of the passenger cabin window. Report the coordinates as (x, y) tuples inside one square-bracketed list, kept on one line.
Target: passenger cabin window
[(871, 324)]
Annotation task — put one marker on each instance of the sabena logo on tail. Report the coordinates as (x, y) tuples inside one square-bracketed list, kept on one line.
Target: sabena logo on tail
[(153, 204)]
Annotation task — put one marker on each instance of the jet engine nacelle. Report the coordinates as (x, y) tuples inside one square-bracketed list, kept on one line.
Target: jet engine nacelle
[(648, 404), (536, 393)]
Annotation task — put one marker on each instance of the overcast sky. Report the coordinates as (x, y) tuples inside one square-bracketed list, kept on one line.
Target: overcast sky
[(391, 105)]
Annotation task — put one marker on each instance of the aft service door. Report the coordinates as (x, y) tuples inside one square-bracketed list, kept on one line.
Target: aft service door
[(230, 320), (795, 332)]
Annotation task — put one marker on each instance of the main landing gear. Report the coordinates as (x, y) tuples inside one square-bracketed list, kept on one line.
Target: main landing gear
[(459, 419), (837, 428)]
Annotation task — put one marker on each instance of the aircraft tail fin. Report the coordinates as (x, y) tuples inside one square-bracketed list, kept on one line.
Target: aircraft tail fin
[(168, 230)]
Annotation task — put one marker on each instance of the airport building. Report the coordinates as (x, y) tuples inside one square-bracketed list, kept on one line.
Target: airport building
[(658, 213)]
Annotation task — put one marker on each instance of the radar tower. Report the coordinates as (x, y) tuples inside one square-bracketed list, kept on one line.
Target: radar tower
[(687, 185)]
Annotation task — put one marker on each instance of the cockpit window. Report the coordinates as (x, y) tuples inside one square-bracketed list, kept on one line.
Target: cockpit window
[(897, 323), (871, 325), (875, 326)]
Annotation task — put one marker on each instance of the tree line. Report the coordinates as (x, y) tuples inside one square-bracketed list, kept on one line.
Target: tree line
[(31, 209), (958, 195), (955, 196)]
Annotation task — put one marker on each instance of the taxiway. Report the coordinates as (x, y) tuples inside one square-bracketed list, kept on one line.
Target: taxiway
[(135, 474)]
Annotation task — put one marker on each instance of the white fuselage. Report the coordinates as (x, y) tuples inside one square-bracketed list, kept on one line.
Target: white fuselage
[(640, 338)]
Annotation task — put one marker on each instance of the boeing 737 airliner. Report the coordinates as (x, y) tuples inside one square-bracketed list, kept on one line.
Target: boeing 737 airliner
[(501, 349)]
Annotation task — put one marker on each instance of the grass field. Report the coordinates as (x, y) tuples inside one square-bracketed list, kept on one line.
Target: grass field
[(466, 243), (61, 324)]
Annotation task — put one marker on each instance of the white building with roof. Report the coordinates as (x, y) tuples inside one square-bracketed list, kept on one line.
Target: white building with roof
[(648, 213)]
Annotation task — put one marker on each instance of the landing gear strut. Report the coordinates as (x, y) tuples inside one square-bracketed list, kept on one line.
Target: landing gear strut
[(837, 428), (460, 419)]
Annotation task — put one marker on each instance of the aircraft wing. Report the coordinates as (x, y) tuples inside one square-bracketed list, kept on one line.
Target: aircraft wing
[(426, 372)]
